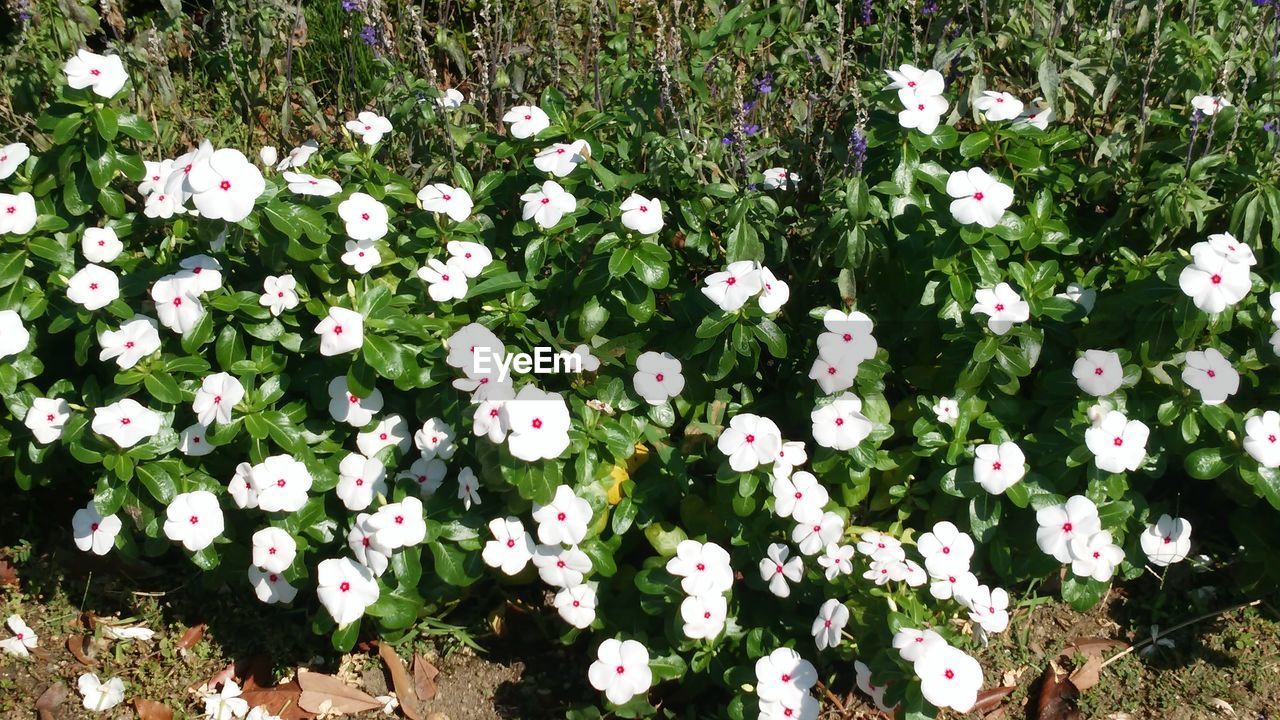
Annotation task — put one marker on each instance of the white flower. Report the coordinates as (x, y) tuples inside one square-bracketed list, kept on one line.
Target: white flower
[(777, 568), (845, 344), (657, 377), (703, 616), (539, 424), (914, 644), (341, 331), (1095, 556), (546, 206), (779, 178), (750, 441), (945, 549), (98, 695), (1214, 282), (428, 474), (218, 393), (621, 670), (949, 678), (161, 204), (921, 112), (835, 560), (281, 483), (94, 533), (279, 293), (463, 343), (205, 272), (879, 546), (360, 479), (862, 675), (443, 198), (445, 280), (526, 120), (193, 441), (783, 676), (401, 524), (225, 705), (46, 417), (989, 607), (815, 531), (11, 158), (363, 217), (365, 546), (1226, 245), (947, 410), (511, 548), (450, 98), (641, 214), (126, 422), (798, 495), (155, 176), (361, 255), (298, 156), (1082, 296), (996, 106), (471, 257), (1060, 524), (790, 456), (193, 519), (468, 488), (104, 74), (17, 213), (1262, 438), (955, 584), (370, 126), (345, 407), (577, 605), (93, 287), (14, 336), (1167, 541), (435, 439), (177, 305), (561, 158), (268, 155), (391, 431), (998, 467), (240, 487), (703, 568), (561, 567), (1209, 104), (913, 574), (564, 520), (1098, 372), (881, 572), (1211, 374), (134, 340), (916, 81), (261, 712), (100, 245), (774, 293), (832, 617), (304, 184), (271, 587), (1117, 443), (226, 186), (24, 638), (840, 424), (345, 588), (731, 288), (979, 198), (274, 549), (1003, 307), (1036, 116)]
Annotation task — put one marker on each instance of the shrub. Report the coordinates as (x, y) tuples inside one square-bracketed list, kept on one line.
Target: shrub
[(793, 402)]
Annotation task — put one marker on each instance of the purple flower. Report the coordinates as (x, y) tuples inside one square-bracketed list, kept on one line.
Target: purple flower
[(751, 129), (765, 84), (748, 106), (1271, 126), (350, 5), (726, 140), (857, 149), (867, 15), (929, 8), (369, 36)]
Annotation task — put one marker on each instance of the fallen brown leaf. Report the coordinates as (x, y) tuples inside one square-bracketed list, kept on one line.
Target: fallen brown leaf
[(49, 700), (1057, 697), (1093, 646), (989, 699), (151, 710), (1086, 676), (283, 700), (191, 636), (219, 678), (326, 692), (80, 649), (424, 678), (8, 574), (400, 680)]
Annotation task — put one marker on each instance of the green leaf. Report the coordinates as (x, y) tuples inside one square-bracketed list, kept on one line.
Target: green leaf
[(1205, 463), (163, 387), (107, 122), (772, 337), (455, 566), (388, 358), (158, 482), (1082, 593)]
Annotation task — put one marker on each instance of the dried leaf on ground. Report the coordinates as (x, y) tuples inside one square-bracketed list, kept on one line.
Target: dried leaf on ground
[(219, 678), (991, 698), (151, 710), (283, 700), (80, 649), (1093, 646), (1223, 707), (1057, 698), (191, 636), (424, 678), (49, 700), (8, 574), (401, 681), (1086, 676), (322, 692)]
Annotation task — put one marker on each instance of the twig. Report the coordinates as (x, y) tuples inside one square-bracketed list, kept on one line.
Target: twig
[(1178, 627)]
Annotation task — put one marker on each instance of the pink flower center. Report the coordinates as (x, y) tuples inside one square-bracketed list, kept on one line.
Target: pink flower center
[(949, 674), (1118, 442), (1215, 279), (1066, 527), (94, 528), (786, 677), (345, 586), (1211, 373), (364, 216), (511, 543), (751, 438), (999, 307), (337, 329), (447, 197), (700, 567), (194, 520), (560, 516), (778, 568), (946, 551), (977, 196), (730, 281), (382, 437), (125, 421), (225, 185), (95, 72), (799, 494), (920, 107), (537, 423), (995, 465), (281, 483), (618, 669), (1097, 371), (129, 344), (544, 201), (839, 422), (658, 377)]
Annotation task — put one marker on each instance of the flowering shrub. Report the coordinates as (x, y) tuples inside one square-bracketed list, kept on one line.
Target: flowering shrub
[(793, 426)]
